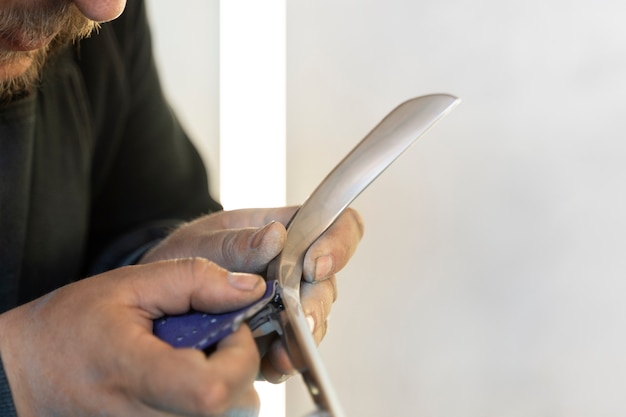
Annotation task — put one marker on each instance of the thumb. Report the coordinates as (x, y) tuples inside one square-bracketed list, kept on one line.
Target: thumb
[(176, 286), (249, 249)]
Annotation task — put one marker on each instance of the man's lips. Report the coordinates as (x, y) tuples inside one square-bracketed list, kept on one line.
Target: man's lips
[(17, 41)]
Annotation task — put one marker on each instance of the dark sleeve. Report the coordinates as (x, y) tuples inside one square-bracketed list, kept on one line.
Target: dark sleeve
[(7, 408), (147, 176)]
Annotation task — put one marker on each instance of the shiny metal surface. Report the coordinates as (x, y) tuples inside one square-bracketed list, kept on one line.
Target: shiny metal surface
[(383, 145)]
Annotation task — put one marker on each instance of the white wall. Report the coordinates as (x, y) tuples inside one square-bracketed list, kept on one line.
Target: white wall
[(186, 47), (491, 278)]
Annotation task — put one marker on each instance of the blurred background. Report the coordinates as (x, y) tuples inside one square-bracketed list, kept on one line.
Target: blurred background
[(491, 278)]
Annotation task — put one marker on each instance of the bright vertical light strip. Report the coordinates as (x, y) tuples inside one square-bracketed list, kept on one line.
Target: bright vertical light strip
[(252, 120), (252, 103)]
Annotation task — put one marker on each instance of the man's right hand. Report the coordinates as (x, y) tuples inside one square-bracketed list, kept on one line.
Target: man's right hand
[(87, 349)]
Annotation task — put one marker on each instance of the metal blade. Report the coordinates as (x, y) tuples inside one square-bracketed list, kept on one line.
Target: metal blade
[(379, 149)]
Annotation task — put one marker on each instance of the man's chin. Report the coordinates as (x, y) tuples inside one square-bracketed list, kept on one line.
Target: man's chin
[(20, 69), (20, 74), (16, 67)]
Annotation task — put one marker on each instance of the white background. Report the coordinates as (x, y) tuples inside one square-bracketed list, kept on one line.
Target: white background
[(490, 281)]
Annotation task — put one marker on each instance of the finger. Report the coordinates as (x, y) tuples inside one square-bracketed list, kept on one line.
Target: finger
[(237, 219), (185, 382), (204, 236), (317, 300), (251, 405), (249, 249), (333, 249), (276, 367), (176, 286)]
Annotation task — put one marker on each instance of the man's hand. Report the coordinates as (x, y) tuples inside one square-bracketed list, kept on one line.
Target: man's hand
[(88, 348), (247, 240)]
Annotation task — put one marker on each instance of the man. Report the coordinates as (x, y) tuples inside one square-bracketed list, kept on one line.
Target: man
[(98, 179)]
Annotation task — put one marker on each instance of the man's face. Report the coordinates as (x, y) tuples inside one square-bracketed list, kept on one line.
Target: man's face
[(30, 30)]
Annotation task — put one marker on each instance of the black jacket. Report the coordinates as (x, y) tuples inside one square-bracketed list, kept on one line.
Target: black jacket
[(93, 166)]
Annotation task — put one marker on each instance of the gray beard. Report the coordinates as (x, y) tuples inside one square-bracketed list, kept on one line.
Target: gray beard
[(20, 86), (61, 17)]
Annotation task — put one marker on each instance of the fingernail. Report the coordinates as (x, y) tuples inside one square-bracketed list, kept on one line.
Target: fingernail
[(283, 379), (246, 282), (259, 234), (311, 321), (323, 266)]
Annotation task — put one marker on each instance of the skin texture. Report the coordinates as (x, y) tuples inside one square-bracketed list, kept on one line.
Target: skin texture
[(102, 10), (247, 240), (88, 348)]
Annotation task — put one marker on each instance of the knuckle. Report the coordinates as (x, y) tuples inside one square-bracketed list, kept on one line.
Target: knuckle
[(318, 298), (229, 251), (321, 331), (200, 266), (326, 292), (334, 290), (356, 218)]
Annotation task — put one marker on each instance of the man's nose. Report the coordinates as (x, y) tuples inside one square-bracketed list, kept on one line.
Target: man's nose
[(101, 10)]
